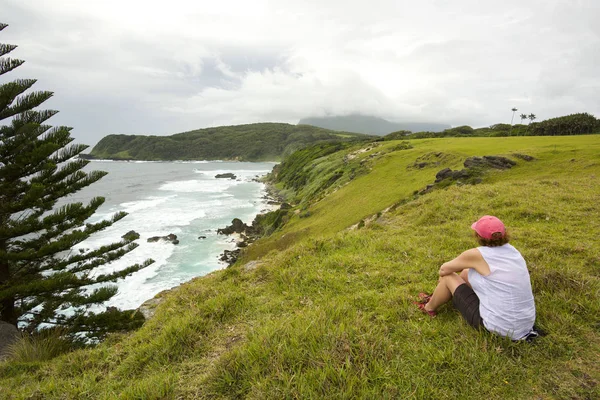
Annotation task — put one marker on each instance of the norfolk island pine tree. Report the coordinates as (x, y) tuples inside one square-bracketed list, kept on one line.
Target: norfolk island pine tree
[(40, 277)]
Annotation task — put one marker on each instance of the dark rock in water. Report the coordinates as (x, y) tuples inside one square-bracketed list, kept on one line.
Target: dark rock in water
[(227, 175), (237, 226), (241, 243), (169, 238), (201, 237), (496, 162), (273, 203), (8, 335), (230, 256), (131, 235)]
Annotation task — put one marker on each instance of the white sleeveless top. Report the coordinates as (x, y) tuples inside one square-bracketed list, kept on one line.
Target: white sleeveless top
[(505, 299)]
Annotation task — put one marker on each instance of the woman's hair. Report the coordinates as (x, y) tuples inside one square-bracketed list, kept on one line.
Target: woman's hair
[(497, 240)]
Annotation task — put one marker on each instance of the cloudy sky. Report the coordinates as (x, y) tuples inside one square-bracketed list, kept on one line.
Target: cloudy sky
[(162, 67)]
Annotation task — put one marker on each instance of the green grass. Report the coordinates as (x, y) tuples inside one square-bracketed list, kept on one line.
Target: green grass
[(39, 347), (327, 312)]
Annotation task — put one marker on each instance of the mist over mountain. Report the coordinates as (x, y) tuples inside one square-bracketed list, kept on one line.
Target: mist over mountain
[(370, 125)]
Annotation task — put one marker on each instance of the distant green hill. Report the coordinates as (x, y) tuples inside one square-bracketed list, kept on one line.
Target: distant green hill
[(371, 125), (252, 142), (572, 124)]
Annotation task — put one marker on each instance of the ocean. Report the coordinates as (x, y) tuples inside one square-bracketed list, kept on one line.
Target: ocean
[(182, 198)]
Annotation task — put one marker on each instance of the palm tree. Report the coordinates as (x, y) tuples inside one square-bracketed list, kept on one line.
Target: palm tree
[(531, 117), (514, 110), (523, 116)]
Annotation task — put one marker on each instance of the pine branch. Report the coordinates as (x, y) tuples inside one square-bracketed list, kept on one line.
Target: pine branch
[(26, 270), (50, 227), (24, 103), (11, 90), (19, 141), (35, 117), (99, 295), (70, 152), (8, 64), (64, 281), (6, 48)]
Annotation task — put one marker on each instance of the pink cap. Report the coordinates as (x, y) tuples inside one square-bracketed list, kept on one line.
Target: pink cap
[(487, 225)]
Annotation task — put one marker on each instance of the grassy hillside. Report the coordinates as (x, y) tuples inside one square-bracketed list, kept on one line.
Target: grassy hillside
[(252, 142), (318, 310)]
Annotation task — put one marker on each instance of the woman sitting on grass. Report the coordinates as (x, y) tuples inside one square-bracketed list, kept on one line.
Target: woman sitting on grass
[(493, 289)]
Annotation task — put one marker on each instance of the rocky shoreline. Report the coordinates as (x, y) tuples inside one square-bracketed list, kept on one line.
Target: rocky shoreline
[(244, 234)]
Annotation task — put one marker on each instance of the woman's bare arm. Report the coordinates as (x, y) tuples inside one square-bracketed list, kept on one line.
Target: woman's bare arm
[(471, 258)]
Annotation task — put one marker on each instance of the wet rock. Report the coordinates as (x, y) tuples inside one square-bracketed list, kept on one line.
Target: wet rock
[(230, 256), (201, 237), (131, 235), (237, 226), (227, 175), (169, 238)]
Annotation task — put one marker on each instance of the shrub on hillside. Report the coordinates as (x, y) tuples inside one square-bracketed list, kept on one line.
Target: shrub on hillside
[(41, 346), (292, 173), (501, 127), (573, 124), (459, 130), (397, 135)]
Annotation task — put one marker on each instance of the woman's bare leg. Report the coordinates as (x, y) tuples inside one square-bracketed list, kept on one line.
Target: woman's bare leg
[(444, 291)]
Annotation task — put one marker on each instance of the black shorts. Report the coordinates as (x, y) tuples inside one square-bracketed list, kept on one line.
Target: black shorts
[(466, 301)]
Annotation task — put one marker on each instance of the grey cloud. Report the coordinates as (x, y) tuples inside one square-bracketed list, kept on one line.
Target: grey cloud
[(457, 62)]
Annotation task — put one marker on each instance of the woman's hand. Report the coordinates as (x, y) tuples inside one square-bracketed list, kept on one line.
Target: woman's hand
[(445, 269)]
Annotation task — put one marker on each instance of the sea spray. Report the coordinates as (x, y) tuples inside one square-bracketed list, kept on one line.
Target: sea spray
[(181, 198)]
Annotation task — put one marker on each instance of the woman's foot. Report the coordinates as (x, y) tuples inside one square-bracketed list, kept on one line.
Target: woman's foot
[(423, 309), (424, 297)]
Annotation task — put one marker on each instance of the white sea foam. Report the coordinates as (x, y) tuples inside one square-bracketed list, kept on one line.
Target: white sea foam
[(199, 186), (186, 207), (150, 202)]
